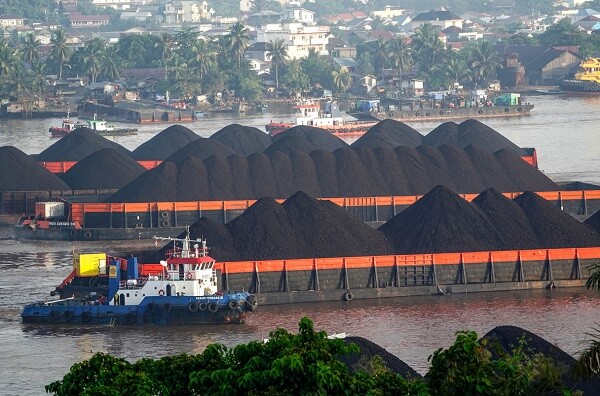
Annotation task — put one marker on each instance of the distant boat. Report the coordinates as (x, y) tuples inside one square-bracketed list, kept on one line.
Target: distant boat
[(554, 91), (68, 125), (200, 114)]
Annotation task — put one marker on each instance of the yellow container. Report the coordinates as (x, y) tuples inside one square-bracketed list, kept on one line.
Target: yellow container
[(91, 264)]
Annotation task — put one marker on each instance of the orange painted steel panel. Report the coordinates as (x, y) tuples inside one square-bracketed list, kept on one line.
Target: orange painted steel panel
[(136, 207), (300, 264), (550, 195), (270, 266), (211, 205), (236, 205), (588, 253), (405, 199), (592, 194), (150, 164)]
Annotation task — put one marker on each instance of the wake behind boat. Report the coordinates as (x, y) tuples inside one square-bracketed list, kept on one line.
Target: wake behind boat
[(183, 289)]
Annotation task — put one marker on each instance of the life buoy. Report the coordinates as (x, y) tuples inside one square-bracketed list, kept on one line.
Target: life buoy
[(129, 319), (232, 304), (480, 111), (193, 306), (167, 307), (54, 316), (348, 296), (188, 276), (519, 109), (86, 317), (88, 234), (202, 306), (161, 292), (68, 316), (213, 307), (506, 110)]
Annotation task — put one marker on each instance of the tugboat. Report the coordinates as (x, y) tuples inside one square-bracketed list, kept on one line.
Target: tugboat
[(586, 81), (100, 126), (183, 289)]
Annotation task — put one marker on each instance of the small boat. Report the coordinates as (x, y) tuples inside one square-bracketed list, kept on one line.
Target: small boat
[(199, 114), (549, 92), (311, 114), (100, 126), (183, 289)]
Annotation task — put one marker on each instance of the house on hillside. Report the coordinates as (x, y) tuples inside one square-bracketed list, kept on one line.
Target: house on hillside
[(11, 21), (78, 20), (441, 19)]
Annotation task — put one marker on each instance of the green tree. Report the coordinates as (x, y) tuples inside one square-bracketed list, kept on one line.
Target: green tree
[(166, 46), (203, 57), (278, 54), (400, 54), (484, 61), (8, 58), (295, 78), (110, 63), (37, 75), (237, 40), (61, 51), (428, 46), (341, 79), (588, 362), (92, 57), (31, 49)]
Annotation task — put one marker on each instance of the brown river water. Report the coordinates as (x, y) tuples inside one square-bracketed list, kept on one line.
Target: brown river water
[(565, 132)]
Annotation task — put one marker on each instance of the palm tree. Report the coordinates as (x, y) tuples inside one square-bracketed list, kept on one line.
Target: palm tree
[(166, 46), (203, 57), (8, 58), (400, 53), (428, 46), (18, 81), (237, 41), (379, 55), (37, 74), (341, 79), (31, 49), (457, 71), (277, 54), (484, 60), (109, 62), (92, 55), (61, 51)]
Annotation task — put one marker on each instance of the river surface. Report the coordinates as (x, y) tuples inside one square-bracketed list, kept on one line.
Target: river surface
[(564, 130)]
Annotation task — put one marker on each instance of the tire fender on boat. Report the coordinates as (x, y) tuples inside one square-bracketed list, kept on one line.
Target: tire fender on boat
[(480, 111), (193, 306), (213, 307), (506, 109), (348, 296), (54, 316), (68, 316), (232, 304), (86, 317), (202, 306), (129, 319), (88, 234), (152, 307), (252, 303), (167, 307)]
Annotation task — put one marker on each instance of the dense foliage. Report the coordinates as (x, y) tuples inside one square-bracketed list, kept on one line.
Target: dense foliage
[(308, 363)]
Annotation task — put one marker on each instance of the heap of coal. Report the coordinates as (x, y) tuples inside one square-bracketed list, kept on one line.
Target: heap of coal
[(578, 186), (508, 218), (105, 169), (200, 148), (20, 172), (442, 221), (507, 338), (470, 132), (301, 227), (553, 227), (368, 350), (320, 138), (165, 143), (389, 133), (241, 139), (594, 221), (321, 173), (77, 145)]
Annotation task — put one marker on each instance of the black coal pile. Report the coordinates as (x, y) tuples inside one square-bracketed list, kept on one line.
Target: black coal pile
[(165, 143), (442, 221), (594, 221), (292, 143), (389, 133), (508, 218), (344, 172), (77, 145), (553, 227), (320, 138), (200, 148), (241, 139), (507, 338), (301, 227), (20, 172), (470, 132), (105, 169), (368, 350), (578, 186)]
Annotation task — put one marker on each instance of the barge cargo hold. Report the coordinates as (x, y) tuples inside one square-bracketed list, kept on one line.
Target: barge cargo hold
[(347, 278), (125, 220)]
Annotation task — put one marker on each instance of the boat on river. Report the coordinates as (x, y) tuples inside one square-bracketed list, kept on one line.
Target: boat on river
[(183, 289), (587, 80), (311, 114), (101, 126)]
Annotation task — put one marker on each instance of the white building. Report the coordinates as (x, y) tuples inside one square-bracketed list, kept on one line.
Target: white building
[(186, 11), (441, 19), (388, 12), (116, 4), (299, 38), (301, 15), (11, 21)]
